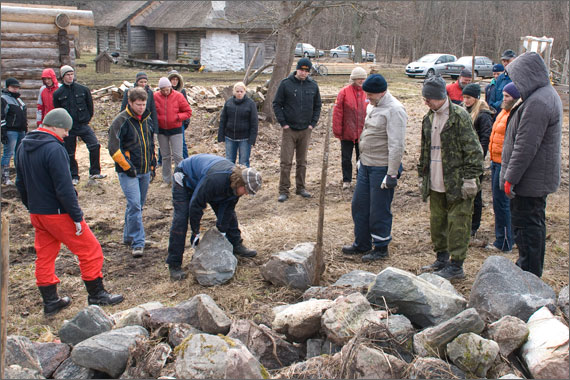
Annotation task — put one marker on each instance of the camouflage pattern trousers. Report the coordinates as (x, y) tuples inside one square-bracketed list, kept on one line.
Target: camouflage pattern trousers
[(450, 224)]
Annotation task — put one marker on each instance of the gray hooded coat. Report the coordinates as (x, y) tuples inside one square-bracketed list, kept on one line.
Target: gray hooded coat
[(531, 151)]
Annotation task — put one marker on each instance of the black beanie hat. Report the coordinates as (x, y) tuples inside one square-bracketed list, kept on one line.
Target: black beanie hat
[(375, 84), (473, 90), (141, 75), (434, 88), (12, 82), (305, 64)]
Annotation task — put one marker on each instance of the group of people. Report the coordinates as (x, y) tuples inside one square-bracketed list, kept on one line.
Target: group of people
[(367, 118)]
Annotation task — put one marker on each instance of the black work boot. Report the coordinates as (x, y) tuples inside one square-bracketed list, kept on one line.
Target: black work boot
[(353, 250), (52, 303), (241, 250), (376, 254), (176, 273), (438, 264), (453, 270), (99, 296)]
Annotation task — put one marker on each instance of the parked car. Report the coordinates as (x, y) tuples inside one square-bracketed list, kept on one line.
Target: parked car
[(429, 64), (341, 51), (307, 50), (483, 66)]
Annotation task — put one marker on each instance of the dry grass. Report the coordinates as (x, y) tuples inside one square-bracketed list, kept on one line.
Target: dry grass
[(267, 225)]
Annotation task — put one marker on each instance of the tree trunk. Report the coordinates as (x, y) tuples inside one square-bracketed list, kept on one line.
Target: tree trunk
[(357, 34)]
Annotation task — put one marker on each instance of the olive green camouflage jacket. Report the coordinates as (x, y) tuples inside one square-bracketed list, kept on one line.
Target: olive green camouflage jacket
[(461, 153)]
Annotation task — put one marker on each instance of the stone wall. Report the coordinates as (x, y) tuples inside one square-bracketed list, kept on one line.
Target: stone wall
[(222, 51)]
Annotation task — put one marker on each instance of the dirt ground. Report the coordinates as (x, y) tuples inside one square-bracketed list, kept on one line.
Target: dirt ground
[(267, 225)]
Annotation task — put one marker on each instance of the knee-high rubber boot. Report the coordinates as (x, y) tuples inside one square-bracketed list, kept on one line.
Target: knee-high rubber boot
[(52, 303), (99, 296)]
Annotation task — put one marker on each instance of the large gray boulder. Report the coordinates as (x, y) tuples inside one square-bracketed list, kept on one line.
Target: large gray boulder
[(300, 321), (356, 279), (20, 351), (440, 282), (88, 322), (509, 332), (154, 319), (205, 356), (420, 301), (267, 346), (563, 301), (14, 371), (294, 268), (51, 355), (432, 341), (213, 261), (329, 292), (69, 370), (473, 353), (108, 352), (177, 332), (363, 362), (204, 314), (134, 315), (501, 288)]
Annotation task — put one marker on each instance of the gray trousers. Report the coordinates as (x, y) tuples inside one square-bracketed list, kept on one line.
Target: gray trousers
[(171, 149)]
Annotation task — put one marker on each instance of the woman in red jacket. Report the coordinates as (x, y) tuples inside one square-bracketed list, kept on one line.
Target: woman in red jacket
[(172, 109), (348, 120)]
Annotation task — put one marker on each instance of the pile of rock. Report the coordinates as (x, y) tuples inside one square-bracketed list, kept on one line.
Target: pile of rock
[(387, 325)]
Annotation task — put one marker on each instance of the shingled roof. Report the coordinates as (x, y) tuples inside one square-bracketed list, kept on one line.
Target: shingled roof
[(114, 14), (184, 15)]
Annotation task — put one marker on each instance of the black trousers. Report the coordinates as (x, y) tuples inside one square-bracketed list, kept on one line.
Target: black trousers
[(88, 136), (528, 217), (346, 147), (477, 208)]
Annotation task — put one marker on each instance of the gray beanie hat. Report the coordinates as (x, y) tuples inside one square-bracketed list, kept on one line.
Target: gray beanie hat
[(434, 88), (58, 117), (64, 70), (252, 179)]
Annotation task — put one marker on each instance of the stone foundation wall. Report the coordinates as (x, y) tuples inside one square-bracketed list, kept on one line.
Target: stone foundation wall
[(222, 51)]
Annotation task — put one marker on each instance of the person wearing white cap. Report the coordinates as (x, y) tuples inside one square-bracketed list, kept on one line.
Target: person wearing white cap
[(200, 180), (77, 101), (349, 113)]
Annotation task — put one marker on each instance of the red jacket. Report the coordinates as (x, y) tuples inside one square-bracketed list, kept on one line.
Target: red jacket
[(171, 111), (349, 113), (455, 92), (45, 98)]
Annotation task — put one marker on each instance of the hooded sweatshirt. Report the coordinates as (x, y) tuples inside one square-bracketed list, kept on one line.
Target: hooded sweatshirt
[(45, 98), (531, 150), (180, 88), (43, 177)]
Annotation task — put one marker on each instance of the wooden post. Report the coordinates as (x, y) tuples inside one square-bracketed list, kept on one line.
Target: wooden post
[(255, 53), (5, 243), (565, 70), (319, 262)]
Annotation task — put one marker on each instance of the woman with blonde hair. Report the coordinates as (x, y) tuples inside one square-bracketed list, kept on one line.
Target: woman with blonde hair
[(482, 117), (238, 125)]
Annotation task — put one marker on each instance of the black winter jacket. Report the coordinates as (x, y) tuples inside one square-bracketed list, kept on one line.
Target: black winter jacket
[(297, 103), (43, 177), (14, 116), (150, 107), (238, 120), (77, 100), (483, 126)]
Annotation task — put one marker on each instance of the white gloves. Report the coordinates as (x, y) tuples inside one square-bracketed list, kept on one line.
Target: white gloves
[(469, 188), (78, 228), (179, 178), (195, 240)]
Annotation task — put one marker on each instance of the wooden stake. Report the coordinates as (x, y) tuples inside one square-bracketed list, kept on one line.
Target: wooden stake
[(4, 291), (319, 261), (255, 53)]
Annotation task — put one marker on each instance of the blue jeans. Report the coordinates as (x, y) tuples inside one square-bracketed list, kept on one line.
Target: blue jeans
[(232, 147), (14, 138), (371, 209), (502, 209), (135, 190)]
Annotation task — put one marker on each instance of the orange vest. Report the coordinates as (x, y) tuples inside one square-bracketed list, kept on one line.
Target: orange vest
[(498, 136)]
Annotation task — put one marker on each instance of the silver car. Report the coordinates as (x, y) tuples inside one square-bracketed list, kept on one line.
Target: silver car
[(307, 50), (429, 64), (483, 66), (342, 51)]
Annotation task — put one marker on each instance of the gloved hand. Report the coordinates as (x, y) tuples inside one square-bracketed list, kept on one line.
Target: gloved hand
[(509, 192), (152, 175), (78, 228), (389, 182), (469, 188), (4, 135), (195, 239), (152, 168), (358, 165), (179, 178), (132, 172)]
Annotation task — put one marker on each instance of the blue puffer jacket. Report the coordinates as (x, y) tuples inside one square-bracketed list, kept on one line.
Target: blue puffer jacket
[(502, 81), (43, 177)]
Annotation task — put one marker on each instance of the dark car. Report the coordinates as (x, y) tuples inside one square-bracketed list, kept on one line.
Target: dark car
[(483, 66)]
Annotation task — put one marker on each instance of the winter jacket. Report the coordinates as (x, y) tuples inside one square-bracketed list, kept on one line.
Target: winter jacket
[(180, 88), (77, 100), (43, 177), (502, 81), (238, 120), (461, 152), (45, 97), (455, 92), (131, 142), (171, 111), (483, 125), (349, 113), (490, 94), (208, 176), (498, 136), (531, 151), (150, 107), (14, 116), (384, 135), (297, 103)]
